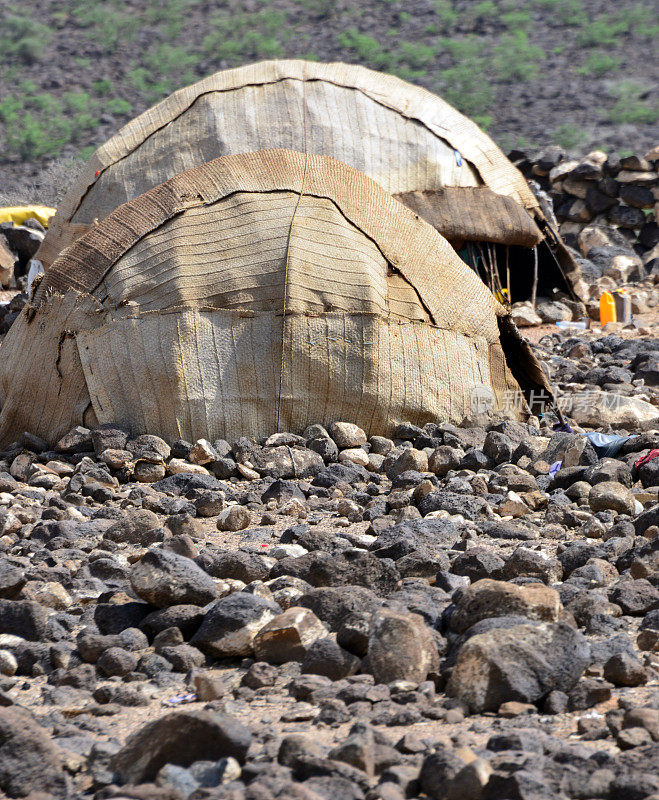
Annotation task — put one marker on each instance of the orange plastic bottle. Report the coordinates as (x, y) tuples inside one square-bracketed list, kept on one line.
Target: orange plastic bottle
[(607, 308)]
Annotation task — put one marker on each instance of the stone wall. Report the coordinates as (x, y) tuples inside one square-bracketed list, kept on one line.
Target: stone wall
[(607, 211)]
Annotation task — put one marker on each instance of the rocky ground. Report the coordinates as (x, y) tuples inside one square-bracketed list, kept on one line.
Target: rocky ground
[(443, 614)]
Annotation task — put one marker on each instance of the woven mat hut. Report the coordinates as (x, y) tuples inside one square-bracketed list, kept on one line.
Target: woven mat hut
[(258, 292), (416, 146)]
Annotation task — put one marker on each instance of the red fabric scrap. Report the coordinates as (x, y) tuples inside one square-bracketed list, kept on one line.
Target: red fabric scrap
[(647, 458)]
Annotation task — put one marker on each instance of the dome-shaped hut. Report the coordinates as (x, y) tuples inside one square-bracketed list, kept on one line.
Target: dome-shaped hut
[(416, 146), (258, 292)]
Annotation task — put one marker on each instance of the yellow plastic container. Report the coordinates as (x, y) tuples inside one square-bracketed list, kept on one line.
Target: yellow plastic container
[(607, 308), (18, 214)]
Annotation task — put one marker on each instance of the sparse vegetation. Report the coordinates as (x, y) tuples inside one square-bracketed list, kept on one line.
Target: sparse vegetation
[(631, 106), (569, 136), (106, 21), (48, 188), (516, 59), (242, 37), (599, 63), (564, 12), (22, 39), (464, 84), (124, 56)]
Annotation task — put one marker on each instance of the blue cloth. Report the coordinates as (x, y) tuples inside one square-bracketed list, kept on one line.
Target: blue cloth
[(607, 445)]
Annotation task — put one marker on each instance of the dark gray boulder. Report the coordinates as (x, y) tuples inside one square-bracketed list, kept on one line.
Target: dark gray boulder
[(164, 579), (523, 663), (181, 738), (29, 761)]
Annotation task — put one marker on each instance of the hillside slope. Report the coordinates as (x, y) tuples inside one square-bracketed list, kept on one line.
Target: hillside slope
[(534, 72)]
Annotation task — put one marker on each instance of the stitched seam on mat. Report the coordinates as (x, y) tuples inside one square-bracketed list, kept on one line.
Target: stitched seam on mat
[(303, 80), (428, 126), (288, 253), (177, 212)]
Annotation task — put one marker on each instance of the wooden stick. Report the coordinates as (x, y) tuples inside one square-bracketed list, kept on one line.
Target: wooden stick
[(534, 291)]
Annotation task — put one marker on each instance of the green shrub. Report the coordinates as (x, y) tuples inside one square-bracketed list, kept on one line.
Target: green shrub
[(29, 49), (170, 64), (103, 87), (486, 8), (22, 39), (638, 20), (367, 49), (118, 106), (639, 15), (514, 58), (605, 30), (238, 38), (77, 101), (169, 17), (516, 20), (641, 20), (566, 12), (417, 55), (104, 23), (465, 84), (445, 13), (30, 133), (10, 109), (81, 112), (630, 107), (38, 124), (569, 136), (406, 73), (598, 63), (32, 139), (143, 81)]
